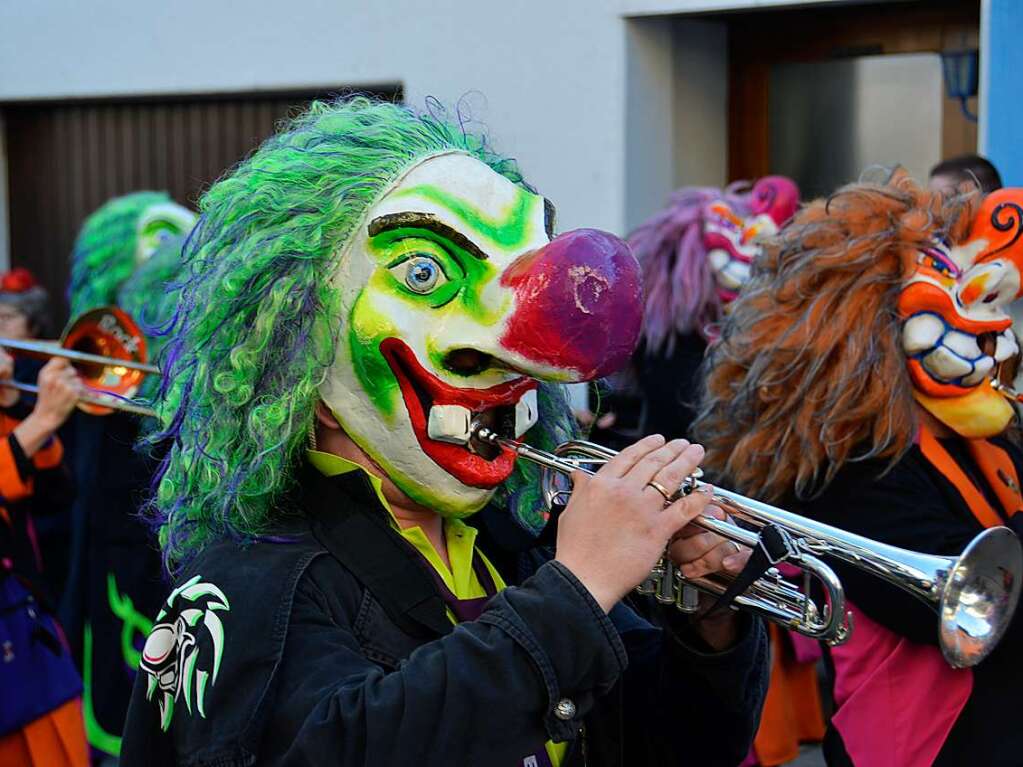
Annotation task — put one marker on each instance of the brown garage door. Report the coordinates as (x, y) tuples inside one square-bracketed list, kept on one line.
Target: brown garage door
[(66, 159)]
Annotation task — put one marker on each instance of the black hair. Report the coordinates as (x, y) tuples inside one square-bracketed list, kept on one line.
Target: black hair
[(970, 167)]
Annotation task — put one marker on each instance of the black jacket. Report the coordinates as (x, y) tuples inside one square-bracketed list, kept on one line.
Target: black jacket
[(337, 650), (916, 507)]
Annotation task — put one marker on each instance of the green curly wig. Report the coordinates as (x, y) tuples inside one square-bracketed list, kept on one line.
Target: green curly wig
[(104, 252), (258, 321)]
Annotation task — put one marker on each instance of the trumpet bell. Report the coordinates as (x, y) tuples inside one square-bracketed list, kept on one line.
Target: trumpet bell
[(979, 597), (974, 594)]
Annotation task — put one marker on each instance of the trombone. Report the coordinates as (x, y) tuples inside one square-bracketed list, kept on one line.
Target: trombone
[(974, 594), (109, 352)]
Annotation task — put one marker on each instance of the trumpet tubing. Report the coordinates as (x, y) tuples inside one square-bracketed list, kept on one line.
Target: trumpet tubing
[(974, 594)]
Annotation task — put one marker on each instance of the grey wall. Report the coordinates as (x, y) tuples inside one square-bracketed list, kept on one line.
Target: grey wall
[(879, 110)]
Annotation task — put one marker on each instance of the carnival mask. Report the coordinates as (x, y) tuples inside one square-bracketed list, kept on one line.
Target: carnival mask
[(956, 331), (456, 300), (733, 238), (159, 223)]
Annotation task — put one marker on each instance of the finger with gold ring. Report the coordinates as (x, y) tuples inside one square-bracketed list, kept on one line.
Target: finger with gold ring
[(660, 489)]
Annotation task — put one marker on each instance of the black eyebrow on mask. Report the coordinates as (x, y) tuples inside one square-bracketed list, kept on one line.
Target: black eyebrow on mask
[(549, 214), (430, 223)]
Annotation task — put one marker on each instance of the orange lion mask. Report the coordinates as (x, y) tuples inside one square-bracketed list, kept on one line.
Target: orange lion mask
[(878, 297)]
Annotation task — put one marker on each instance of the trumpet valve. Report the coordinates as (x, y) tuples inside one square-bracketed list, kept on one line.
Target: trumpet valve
[(688, 597), (666, 582)]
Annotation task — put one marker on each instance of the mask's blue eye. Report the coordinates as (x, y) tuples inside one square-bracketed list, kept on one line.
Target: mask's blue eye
[(421, 274)]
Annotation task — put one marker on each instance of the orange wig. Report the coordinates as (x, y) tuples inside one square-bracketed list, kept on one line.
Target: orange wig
[(809, 372)]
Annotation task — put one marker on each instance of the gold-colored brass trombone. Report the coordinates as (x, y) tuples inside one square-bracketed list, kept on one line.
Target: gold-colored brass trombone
[(974, 594), (107, 349)]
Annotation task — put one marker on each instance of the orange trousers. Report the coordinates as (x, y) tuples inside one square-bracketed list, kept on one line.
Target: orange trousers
[(792, 711), (56, 739)]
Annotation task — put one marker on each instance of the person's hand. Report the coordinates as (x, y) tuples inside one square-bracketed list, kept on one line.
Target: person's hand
[(585, 418), (616, 525), (59, 390), (699, 552), (8, 395)]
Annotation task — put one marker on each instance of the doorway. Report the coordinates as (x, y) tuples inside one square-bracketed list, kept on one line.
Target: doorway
[(821, 94)]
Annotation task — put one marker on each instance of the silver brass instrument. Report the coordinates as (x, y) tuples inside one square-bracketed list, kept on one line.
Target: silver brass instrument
[(974, 594)]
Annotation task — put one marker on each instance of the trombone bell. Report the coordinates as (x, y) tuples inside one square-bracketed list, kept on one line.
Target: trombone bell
[(107, 349), (110, 333)]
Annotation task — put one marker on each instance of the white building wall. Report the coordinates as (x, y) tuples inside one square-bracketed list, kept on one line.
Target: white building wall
[(5, 238), (605, 114), (552, 73)]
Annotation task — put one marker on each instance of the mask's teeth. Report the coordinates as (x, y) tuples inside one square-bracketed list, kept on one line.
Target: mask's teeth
[(921, 332), (718, 259), (981, 368), (1005, 346), (944, 364), (450, 423), (966, 346), (526, 413)]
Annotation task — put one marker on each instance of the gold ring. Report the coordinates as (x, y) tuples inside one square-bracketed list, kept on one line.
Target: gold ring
[(660, 489)]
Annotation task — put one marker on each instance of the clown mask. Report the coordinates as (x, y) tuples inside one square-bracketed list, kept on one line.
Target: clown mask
[(733, 239), (956, 331), (456, 300), (159, 223)]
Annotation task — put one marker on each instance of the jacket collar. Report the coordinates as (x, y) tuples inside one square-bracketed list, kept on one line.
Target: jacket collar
[(347, 518)]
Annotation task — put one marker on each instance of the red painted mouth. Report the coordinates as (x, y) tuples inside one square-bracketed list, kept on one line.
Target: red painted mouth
[(493, 406)]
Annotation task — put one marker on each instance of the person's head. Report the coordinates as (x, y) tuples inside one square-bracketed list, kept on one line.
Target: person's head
[(116, 239), (697, 253), (390, 267), (950, 176), (24, 306), (873, 303), (150, 297)]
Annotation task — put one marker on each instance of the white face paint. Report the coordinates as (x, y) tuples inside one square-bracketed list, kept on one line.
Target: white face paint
[(158, 224), (424, 310)]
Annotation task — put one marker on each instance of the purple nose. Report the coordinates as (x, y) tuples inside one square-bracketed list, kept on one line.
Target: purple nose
[(578, 304)]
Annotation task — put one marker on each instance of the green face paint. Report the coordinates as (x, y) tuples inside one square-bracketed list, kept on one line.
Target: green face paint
[(158, 224), (511, 228), (429, 261)]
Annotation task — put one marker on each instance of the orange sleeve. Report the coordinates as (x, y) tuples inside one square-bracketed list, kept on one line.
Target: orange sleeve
[(49, 455), (12, 487)]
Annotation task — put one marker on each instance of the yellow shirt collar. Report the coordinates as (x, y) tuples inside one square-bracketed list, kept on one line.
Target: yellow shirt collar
[(460, 537)]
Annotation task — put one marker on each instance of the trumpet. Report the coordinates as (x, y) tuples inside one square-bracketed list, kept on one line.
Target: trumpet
[(109, 352), (974, 594)]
